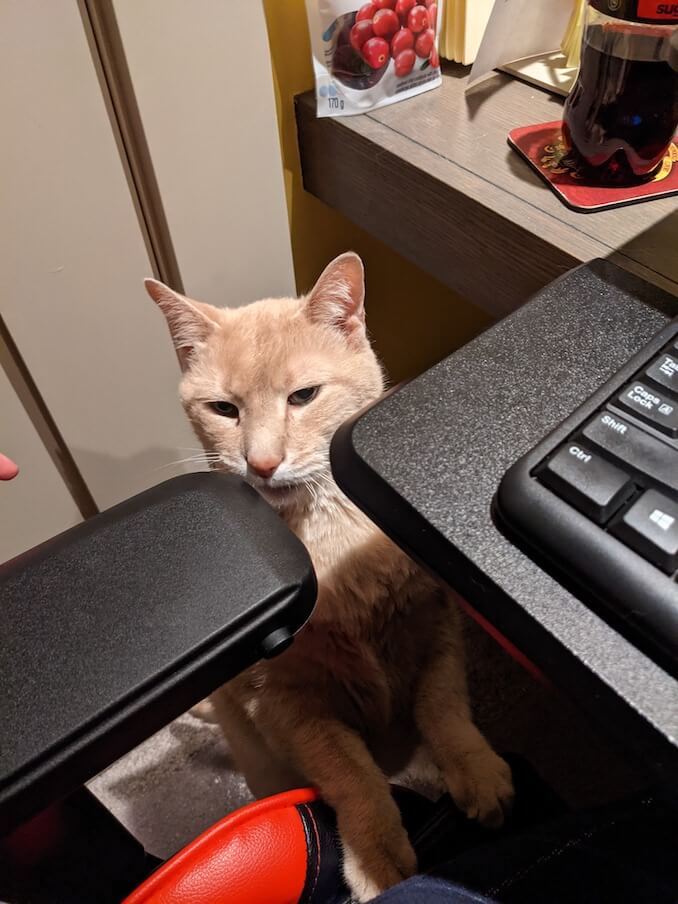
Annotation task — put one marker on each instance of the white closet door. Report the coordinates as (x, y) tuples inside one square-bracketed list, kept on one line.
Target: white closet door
[(203, 82), (36, 505), (73, 259)]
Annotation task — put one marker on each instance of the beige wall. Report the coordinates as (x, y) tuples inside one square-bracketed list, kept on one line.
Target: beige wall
[(74, 258), (36, 504), (202, 79), (74, 252)]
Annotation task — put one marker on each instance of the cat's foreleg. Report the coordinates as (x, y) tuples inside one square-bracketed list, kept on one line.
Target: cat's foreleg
[(265, 772), (377, 851), (478, 780)]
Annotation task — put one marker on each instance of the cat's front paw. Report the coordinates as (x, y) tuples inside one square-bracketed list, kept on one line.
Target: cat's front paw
[(375, 863), (204, 711), (481, 785)]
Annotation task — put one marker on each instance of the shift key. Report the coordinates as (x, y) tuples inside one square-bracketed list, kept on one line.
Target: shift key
[(634, 447)]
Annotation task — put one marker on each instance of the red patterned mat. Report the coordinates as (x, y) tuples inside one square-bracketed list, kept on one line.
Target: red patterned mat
[(543, 148)]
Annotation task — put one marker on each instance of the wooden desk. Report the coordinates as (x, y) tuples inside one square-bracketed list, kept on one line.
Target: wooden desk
[(434, 178)]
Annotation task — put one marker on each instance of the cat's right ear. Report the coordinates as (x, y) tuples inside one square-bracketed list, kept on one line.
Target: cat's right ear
[(190, 322)]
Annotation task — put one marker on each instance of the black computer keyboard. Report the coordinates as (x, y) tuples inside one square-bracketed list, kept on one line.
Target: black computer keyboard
[(597, 500)]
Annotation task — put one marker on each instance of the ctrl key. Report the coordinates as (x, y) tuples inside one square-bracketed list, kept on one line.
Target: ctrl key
[(587, 481), (651, 528)]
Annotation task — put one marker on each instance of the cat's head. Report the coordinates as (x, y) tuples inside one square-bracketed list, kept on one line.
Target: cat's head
[(265, 386)]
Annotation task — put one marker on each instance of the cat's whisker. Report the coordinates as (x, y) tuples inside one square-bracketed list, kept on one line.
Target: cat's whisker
[(321, 483), (198, 449), (317, 482), (308, 484), (203, 459)]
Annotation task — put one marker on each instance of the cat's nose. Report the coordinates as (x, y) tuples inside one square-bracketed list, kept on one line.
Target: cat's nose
[(265, 467)]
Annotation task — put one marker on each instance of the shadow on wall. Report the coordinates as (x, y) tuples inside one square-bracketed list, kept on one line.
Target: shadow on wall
[(120, 478), (414, 319)]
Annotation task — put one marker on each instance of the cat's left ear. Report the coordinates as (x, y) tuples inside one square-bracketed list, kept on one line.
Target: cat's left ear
[(338, 298)]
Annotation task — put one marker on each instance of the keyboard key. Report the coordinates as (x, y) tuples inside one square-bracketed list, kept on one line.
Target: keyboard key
[(587, 481), (651, 528), (651, 405), (634, 447), (664, 371)]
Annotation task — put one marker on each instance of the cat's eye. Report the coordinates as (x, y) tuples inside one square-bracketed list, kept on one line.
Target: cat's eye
[(303, 396), (225, 409)]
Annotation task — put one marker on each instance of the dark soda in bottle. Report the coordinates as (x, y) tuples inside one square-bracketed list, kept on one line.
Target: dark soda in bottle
[(622, 113)]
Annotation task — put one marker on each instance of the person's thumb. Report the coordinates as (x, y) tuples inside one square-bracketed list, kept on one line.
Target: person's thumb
[(8, 469)]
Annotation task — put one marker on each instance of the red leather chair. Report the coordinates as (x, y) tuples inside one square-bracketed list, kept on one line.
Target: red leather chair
[(285, 849), (281, 850)]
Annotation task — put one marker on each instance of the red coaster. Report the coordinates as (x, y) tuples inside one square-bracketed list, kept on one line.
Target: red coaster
[(542, 146)]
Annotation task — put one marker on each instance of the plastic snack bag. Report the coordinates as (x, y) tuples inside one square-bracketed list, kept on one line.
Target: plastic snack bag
[(372, 55)]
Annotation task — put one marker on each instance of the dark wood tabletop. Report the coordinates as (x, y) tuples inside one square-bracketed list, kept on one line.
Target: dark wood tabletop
[(433, 177)]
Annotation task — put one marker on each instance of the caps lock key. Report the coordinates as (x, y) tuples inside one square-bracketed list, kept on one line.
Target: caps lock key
[(651, 406), (587, 481)]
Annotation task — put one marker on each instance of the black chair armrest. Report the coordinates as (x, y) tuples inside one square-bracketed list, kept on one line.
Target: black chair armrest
[(119, 625)]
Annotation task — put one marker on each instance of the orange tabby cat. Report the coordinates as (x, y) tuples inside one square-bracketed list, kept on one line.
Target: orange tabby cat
[(375, 682)]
